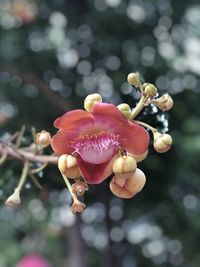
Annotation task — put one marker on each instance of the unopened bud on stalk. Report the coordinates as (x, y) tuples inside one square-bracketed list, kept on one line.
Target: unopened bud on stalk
[(134, 79), (124, 166), (164, 102), (125, 110), (79, 188), (67, 165), (14, 200), (150, 90), (127, 188), (140, 157), (162, 142), (91, 100), (43, 138), (77, 206)]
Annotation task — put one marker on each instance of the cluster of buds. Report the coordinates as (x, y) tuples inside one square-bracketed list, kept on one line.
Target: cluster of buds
[(92, 144), (128, 179)]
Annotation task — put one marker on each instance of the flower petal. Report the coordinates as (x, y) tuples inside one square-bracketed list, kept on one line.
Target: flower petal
[(61, 142), (95, 174), (134, 138), (74, 120), (108, 116)]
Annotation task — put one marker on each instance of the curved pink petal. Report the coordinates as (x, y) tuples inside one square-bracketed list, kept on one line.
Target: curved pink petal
[(75, 119), (108, 116), (134, 138), (95, 174), (61, 142)]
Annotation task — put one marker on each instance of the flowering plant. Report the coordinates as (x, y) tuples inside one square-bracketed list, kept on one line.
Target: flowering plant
[(92, 144)]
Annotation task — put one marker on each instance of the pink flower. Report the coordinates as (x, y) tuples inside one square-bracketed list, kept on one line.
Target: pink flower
[(33, 260), (95, 139)]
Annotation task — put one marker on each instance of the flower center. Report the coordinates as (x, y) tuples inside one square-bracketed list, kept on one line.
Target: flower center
[(96, 148)]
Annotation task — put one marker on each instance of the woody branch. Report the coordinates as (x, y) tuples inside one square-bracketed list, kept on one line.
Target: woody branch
[(22, 154)]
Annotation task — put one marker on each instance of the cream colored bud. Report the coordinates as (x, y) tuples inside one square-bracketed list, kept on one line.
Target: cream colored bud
[(124, 166), (125, 110), (156, 135), (67, 165), (14, 200), (163, 143), (140, 157), (164, 102), (43, 138), (91, 100), (134, 79), (127, 188), (150, 90)]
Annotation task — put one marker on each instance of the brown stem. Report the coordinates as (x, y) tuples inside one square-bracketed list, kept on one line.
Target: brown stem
[(22, 155)]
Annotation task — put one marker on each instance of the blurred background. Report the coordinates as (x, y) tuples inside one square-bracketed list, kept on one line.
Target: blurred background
[(54, 53)]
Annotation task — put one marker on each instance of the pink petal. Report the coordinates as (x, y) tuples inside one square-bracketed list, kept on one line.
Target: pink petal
[(75, 119), (108, 116), (61, 142), (33, 261), (134, 138), (95, 174)]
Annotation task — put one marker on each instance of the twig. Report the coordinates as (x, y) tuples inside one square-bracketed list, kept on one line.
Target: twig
[(39, 169), (20, 137), (35, 181), (24, 175), (147, 126), (139, 106), (23, 155), (3, 159)]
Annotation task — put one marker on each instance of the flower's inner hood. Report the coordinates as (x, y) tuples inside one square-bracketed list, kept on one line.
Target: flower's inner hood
[(96, 148)]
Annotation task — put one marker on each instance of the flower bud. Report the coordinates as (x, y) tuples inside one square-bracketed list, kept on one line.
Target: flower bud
[(127, 188), (125, 110), (79, 188), (77, 206), (14, 200), (124, 166), (140, 157), (150, 90), (134, 79), (156, 135), (162, 143), (43, 138), (67, 165), (164, 102), (91, 100)]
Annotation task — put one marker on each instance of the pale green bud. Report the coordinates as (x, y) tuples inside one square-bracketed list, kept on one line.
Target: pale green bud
[(150, 90), (125, 110), (91, 100), (134, 79)]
